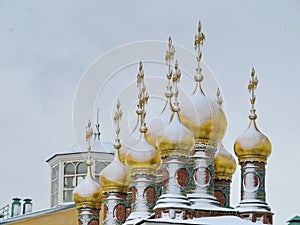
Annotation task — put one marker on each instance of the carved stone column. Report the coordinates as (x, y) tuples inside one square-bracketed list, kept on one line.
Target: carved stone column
[(202, 196), (88, 216), (173, 202), (114, 208)]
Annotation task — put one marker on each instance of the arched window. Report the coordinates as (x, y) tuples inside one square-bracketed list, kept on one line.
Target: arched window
[(69, 180), (81, 168), (69, 169)]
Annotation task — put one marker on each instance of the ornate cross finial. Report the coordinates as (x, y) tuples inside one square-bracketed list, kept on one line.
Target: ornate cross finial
[(199, 40), (251, 87), (117, 119), (200, 37), (169, 57), (140, 76), (143, 98), (219, 99), (88, 137), (142, 93), (176, 79)]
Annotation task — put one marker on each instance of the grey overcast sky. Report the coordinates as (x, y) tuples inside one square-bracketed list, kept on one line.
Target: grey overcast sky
[(45, 47)]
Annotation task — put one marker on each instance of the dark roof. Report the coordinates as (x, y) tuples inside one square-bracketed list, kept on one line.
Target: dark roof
[(75, 153), (294, 219), (97, 147)]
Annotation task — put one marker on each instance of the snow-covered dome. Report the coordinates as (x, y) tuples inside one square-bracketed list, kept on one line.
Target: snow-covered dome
[(143, 156), (116, 176), (252, 145), (175, 139), (225, 164), (204, 117), (88, 193)]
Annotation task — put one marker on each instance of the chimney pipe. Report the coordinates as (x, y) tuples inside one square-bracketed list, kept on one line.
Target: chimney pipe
[(27, 205), (15, 207)]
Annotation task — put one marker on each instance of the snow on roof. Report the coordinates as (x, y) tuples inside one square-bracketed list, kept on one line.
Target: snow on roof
[(294, 219), (97, 146), (217, 220), (58, 208)]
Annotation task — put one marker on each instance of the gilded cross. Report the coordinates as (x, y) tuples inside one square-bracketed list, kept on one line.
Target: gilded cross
[(169, 57), (251, 87), (176, 79), (200, 37), (117, 118), (142, 96), (142, 93), (199, 40), (89, 135)]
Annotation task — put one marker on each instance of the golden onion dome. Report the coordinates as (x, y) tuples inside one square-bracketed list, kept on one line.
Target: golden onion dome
[(175, 139), (88, 194), (225, 165), (115, 177), (252, 145), (204, 117), (143, 157)]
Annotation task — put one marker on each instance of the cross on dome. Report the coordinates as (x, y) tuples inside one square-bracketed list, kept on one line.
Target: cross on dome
[(143, 99), (199, 40), (169, 57), (117, 118), (176, 79), (88, 137), (251, 87)]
